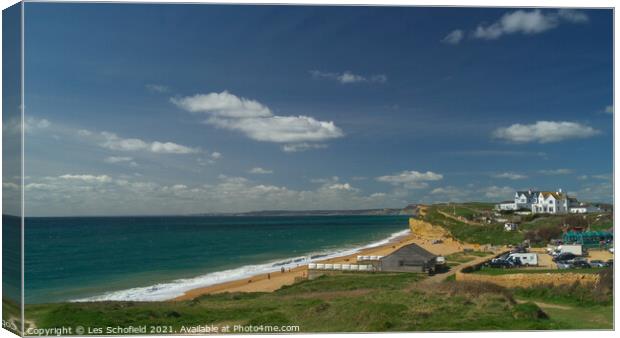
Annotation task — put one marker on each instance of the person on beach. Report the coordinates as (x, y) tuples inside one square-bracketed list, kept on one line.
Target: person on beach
[(268, 276), (282, 270)]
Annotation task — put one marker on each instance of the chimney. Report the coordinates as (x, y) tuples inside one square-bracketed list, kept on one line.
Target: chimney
[(560, 191)]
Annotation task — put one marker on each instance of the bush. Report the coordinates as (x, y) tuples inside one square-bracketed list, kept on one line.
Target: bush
[(576, 221), (543, 235)]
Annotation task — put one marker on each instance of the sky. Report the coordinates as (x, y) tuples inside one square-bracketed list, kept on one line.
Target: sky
[(138, 109)]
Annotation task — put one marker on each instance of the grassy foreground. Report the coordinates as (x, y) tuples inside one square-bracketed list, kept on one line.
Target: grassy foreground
[(343, 303)]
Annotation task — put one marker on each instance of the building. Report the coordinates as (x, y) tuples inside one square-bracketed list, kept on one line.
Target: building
[(582, 208), (525, 199), (549, 202), (510, 226), (409, 258), (506, 206)]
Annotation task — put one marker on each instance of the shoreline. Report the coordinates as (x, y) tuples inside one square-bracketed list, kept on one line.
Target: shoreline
[(269, 282)]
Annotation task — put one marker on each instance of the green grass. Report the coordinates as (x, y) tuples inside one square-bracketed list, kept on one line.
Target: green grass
[(11, 313), (341, 303), (464, 257), (498, 271), (596, 317), (482, 234)]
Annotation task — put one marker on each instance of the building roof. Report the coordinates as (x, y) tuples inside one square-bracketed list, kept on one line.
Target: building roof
[(528, 193), (556, 195), (412, 252)]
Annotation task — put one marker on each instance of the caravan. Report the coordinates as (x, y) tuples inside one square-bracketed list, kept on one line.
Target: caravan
[(527, 258)]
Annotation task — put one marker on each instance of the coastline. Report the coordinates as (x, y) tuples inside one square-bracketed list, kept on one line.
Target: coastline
[(420, 233)]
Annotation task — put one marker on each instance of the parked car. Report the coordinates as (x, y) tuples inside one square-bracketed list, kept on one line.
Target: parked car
[(581, 265), (598, 264), (505, 262), (437, 241), (501, 263), (567, 256)]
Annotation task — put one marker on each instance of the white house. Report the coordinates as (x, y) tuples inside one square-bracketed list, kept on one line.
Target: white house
[(583, 208), (549, 202), (522, 201), (506, 206)]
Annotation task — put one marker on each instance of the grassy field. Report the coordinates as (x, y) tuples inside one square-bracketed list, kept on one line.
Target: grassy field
[(341, 303), (482, 234)]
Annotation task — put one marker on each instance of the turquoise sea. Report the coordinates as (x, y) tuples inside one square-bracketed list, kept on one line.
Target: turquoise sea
[(158, 258)]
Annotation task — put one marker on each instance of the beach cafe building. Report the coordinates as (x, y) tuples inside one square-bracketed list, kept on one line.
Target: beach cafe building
[(409, 258)]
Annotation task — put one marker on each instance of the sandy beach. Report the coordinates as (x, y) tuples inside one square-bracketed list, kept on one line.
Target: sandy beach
[(422, 233)]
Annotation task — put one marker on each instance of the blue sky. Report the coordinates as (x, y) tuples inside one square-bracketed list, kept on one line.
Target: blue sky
[(155, 109)]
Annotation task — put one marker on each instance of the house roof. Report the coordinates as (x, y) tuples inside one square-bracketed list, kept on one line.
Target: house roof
[(412, 252), (556, 195), (528, 193)]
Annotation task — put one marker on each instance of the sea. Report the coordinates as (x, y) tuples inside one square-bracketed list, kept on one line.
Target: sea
[(158, 258)]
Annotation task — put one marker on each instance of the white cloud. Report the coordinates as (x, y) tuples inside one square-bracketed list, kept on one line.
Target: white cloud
[(495, 192), (260, 171), (451, 194), (411, 179), (114, 142), (32, 124), (117, 159), (87, 178), (545, 132), (341, 186), (216, 155), (454, 37), (527, 22), (281, 129), (257, 122), (609, 109), (572, 15), (561, 171), (157, 88), (222, 104), (299, 147), (349, 77), (510, 176), (121, 159)]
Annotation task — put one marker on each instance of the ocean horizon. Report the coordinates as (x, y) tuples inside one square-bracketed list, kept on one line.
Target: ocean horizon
[(153, 258)]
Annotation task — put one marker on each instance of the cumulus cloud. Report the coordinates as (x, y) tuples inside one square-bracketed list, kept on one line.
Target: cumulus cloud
[(454, 37), (411, 179), (222, 104), (260, 171), (348, 77), (545, 132), (510, 176), (114, 142), (561, 171), (256, 121), (528, 23)]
